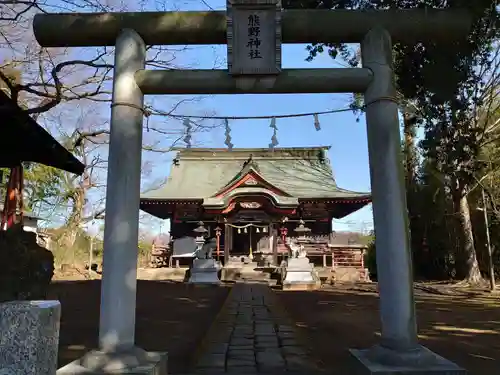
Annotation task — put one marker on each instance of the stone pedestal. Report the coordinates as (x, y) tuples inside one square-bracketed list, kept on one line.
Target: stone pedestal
[(29, 337), (134, 361), (204, 271), (299, 275), (420, 361)]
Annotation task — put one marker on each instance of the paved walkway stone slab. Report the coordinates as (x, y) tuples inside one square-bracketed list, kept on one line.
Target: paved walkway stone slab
[(249, 338)]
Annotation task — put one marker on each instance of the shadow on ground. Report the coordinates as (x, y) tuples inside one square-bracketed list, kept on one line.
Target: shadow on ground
[(170, 316), (463, 329)]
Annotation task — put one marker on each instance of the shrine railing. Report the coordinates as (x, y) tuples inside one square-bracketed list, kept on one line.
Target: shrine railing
[(348, 257), (322, 252)]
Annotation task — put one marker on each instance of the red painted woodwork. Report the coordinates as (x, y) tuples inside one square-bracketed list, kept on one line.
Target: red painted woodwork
[(249, 177), (13, 198)]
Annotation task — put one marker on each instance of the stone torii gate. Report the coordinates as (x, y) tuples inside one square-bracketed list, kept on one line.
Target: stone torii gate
[(254, 71)]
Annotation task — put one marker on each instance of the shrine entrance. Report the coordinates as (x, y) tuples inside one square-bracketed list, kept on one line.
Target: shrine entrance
[(246, 237), (253, 31), (242, 239), (249, 227), (249, 233)]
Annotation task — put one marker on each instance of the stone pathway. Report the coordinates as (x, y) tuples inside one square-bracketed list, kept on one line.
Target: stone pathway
[(249, 337)]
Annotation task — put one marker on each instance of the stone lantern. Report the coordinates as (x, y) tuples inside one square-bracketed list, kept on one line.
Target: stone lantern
[(299, 273), (200, 231), (301, 231), (204, 269)]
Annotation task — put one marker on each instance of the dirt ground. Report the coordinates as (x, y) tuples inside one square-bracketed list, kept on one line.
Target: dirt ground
[(462, 328), (171, 317)]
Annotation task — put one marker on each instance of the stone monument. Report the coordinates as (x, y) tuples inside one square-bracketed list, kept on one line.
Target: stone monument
[(29, 337), (298, 273)]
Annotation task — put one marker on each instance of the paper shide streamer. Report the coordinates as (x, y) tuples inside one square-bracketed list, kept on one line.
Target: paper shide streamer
[(317, 125), (187, 138), (228, 142), (274, 138)]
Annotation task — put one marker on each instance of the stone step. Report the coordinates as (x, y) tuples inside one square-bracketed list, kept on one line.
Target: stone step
[(233, 274)]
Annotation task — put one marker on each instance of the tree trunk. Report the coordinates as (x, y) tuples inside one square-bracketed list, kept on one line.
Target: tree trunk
[(471, 265), (491, 266), (412, 197), (73, 223), (409, 151)]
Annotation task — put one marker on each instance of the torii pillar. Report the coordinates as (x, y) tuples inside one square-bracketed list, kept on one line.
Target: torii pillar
[(399, 351), (117, 353)]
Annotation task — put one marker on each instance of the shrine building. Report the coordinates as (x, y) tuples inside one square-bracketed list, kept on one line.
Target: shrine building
[(252, 199)]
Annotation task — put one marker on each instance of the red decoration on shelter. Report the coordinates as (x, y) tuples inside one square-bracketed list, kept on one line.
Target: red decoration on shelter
[(217, 236), (13, 198), (284, 233)]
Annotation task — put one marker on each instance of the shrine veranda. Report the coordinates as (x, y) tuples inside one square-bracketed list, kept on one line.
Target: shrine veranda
[(254, 66)]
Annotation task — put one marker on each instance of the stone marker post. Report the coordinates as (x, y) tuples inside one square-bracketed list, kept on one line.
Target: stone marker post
[(29, 337)]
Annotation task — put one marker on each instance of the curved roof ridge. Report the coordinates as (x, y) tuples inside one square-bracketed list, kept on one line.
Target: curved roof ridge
[(249, 149)]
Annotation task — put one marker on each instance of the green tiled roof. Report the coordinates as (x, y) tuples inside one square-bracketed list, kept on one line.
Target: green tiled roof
[(300, 172)]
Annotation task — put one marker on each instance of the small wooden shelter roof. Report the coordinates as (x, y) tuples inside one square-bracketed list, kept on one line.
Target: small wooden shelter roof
[(22, 139)]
